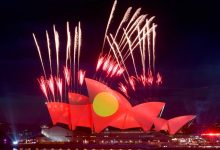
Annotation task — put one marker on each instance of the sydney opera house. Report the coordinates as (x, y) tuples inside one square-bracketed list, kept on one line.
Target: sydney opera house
[(105, 107)]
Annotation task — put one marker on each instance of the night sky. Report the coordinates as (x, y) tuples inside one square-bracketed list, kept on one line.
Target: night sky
[(188, 52)]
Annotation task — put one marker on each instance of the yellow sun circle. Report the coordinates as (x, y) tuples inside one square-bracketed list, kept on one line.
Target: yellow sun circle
[(105, 104)]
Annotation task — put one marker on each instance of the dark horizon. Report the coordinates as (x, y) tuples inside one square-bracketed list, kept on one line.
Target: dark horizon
[(187, 52)]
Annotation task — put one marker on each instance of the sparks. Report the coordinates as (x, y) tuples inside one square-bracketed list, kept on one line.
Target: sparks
[(111, 65), (81, 76), (50, 83), (106, 64), (134, 32), (159, 79), (109, 22), (123, 88), (74, 53), (57, 44), (67, 75), (120, 71), (59, 83), (39, 52), (49, 52), (150, 78), (132, 82), (142, 79), (43, 86), (99, 63), (68, 45), (115, 68)]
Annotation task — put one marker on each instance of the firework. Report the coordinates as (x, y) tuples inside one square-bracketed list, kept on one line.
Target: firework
[(154, 41), (132, 82), (120, 54), (131, 53), (74, 53), (125, 18), (123, 89), (79, 42), (57, 44), (120, 71), (99, 63), (159, 79), (81, 76), (135, 32), (150, 78), (106, 63), (111, 65), (68, 45), (49, 52), (67, 75), (59, 83), (43, 86), (114, 70), (109, 22), (50, 83), (39, 52)]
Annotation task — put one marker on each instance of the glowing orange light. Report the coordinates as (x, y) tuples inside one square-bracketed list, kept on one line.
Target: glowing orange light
[(211, 134)]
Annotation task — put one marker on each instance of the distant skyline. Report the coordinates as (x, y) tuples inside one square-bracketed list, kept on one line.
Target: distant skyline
[(187, 50)]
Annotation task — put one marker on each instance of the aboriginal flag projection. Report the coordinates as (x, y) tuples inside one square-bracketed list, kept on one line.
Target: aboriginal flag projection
[(105, 107), (115, 81)]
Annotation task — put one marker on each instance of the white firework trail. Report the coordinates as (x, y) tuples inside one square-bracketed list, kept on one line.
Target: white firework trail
[(134, 42), (109, 22), (116, 57), (135, 15), (68, 45), (57, 44), (154, 43), (131, 53), (68, 57), (125, 18), (79, 42), (39, 52), (133, 28), (149, 41), (74, 54), (142, 49), (120, 54), (49, 51), (136, 38), (143, 28)]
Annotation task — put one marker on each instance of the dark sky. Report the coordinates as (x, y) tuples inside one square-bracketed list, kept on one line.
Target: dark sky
[(188, 52)]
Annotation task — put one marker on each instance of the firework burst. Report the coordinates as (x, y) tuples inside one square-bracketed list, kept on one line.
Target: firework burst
[(135, 36)]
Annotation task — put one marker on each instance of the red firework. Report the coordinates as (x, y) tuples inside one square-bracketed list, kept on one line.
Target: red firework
[(81, 76), (43, 86)]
